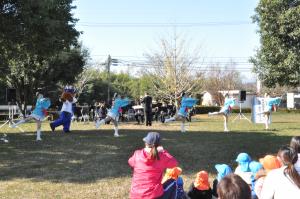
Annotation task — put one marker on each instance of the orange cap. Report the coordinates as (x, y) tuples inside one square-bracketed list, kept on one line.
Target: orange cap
[(172, 174), (201, 181), (270, 162)]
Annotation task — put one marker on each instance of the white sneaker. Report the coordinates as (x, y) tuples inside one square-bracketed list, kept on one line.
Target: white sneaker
[(38, 139), (116, 135), (226, 130)]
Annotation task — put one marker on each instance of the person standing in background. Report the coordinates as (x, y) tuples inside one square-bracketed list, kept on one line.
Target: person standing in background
[(147, 100)]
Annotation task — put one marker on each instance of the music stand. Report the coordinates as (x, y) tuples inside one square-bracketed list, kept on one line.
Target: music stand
[(10, 120), (240, 115)]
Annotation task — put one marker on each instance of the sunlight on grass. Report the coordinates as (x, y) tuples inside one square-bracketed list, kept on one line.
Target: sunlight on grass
[(89, 163)]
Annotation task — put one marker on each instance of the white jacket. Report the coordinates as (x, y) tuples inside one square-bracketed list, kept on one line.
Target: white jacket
[(277, 185)]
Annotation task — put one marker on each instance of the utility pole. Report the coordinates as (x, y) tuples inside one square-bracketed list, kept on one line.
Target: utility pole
[(108, 64)]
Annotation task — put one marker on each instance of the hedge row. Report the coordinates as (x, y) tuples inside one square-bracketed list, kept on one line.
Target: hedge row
[(207, 109)]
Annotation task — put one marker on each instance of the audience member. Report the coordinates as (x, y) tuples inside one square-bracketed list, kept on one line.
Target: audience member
[(243, 170), (173, 184), (295, 144), (200, 189), (148, 166), (254, 168), (223, 170), (269, 162), (283, 183), (233, 186)]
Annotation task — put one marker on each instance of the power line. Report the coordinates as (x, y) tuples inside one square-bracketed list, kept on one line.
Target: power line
[(156, 24)]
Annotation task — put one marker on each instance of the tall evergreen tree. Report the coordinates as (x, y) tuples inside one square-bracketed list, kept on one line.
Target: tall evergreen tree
[(278, 59), (39, 45)]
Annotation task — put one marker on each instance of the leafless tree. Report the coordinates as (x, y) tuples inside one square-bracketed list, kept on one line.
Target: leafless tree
[(174, 68)]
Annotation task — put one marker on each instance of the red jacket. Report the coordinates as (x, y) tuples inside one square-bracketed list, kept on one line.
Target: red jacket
[(148, 173)]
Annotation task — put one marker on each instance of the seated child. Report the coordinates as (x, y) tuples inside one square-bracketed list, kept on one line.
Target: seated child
[(243, 170), (254, 168), (269, 162), (233, 186), (223, 170), (173, 184), (200, 189)]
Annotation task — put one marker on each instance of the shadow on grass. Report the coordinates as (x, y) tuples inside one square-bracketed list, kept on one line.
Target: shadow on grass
[(87, 156)]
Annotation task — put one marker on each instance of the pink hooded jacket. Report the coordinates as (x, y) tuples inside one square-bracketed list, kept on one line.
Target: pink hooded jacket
[(148, 173)]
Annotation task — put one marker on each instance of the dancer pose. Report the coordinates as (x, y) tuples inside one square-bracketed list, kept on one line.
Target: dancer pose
[(114, 112), (225, 110), (66, 112), (269, 103), (186, 103), (38, 114)]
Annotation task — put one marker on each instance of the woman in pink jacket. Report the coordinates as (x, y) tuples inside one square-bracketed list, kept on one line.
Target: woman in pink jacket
[(148, 166)]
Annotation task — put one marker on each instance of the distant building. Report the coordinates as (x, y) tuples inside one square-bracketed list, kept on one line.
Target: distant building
[(236, 94), (293, 100), (207, 99)]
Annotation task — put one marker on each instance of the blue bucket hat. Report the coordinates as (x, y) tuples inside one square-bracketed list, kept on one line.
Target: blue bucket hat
[(255, 167), (244, 160), (223, 170), (152, 138)]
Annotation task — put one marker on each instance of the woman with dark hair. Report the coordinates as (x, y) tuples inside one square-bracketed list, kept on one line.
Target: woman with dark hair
[(148, 166), (284, 182), (295, 144), (233, 186)]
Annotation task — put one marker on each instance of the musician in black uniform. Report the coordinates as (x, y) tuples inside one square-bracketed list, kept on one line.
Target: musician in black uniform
[(147, 100)]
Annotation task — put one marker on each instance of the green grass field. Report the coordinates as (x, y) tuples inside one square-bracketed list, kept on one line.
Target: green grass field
[(91, 163)]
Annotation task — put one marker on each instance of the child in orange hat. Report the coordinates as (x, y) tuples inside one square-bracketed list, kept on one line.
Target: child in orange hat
[(269, 163), (171, 181), (200, 189)]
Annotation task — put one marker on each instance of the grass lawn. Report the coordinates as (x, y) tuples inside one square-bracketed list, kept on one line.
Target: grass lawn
[(91, 163)]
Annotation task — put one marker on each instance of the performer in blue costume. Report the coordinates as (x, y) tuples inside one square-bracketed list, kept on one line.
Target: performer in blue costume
[(113, 113), (269, 104), (66, 111), (38, 114), (186, 103), (225, 110)]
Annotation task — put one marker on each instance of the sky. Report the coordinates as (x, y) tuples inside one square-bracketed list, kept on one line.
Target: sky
[(127, 29)]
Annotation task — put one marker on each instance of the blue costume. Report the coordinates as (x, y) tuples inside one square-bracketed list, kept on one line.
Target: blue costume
[(113, 114), (39, 112), (118, 103), (228, 104), (270, 102), (186, 103)]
